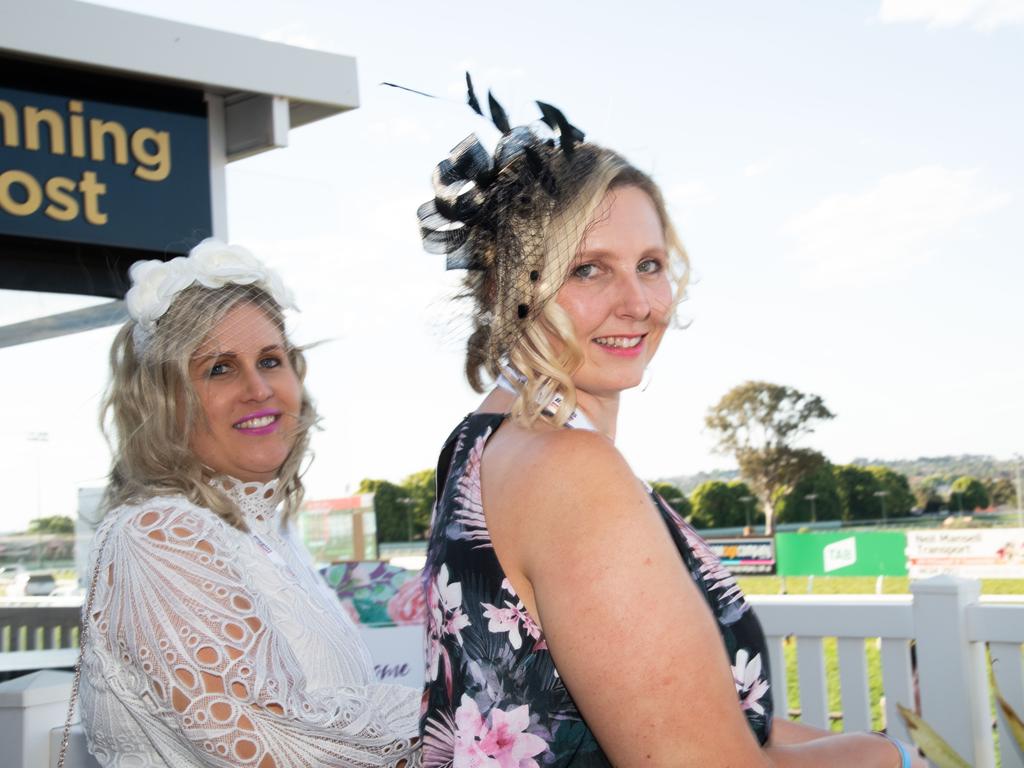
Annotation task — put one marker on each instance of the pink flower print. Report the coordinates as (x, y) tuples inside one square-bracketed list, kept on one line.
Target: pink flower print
[(445, 618), (508, 620), (504, 620), (434, 648), (715, 575), (749, 684), (502, 744), (528, 625), (469, 502)]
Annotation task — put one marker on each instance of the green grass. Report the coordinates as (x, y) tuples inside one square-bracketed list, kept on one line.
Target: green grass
[(857, 585)]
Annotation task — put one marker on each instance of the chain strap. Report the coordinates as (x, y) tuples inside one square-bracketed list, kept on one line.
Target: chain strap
[(90, 597)]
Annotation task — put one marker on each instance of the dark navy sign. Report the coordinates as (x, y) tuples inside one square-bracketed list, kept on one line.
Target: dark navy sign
[(96, 173)]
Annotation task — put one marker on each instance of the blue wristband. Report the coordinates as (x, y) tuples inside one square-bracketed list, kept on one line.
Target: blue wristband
[(904, 755)]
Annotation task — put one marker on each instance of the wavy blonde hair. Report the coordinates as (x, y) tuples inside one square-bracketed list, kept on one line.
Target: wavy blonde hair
[(546, 352), (151, 408)]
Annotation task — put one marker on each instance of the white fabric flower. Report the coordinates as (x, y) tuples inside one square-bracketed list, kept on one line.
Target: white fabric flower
[(212, 264), (154, 286), (216, 264)]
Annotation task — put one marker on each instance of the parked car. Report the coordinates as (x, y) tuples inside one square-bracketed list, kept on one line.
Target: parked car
[(32, 585)]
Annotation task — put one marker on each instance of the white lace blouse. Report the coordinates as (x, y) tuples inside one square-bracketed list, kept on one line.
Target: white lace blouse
[(213, 646)]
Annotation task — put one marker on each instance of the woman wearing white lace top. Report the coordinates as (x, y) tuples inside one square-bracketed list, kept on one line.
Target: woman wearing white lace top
[(209, 638)]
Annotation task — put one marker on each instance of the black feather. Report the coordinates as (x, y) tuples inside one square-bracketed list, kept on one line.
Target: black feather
[(548, 114), (471, 96), (569, 135), (411, 90), (533, 161), (498, 116)]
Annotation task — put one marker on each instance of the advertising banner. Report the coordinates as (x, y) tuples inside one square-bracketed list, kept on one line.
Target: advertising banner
[(872, 553), (101, 173), (388, 605), (745, 555), (979, 553), (397, 653)]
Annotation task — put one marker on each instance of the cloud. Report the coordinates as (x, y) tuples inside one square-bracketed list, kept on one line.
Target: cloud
[(981, 14), (889, 229), (758, 168), (690, 194)]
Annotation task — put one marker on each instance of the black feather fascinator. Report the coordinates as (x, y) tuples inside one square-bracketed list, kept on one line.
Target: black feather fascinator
[(508, 218)]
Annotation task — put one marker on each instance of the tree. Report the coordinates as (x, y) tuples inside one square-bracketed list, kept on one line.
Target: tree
[(795, 507), (420, 487), (1001, 491), (898, 499), (53, 524), (857, 486), (967, 493), (720, 505), (674, 497), (393, 508), (403, 511), (760, 424), (927, 495)]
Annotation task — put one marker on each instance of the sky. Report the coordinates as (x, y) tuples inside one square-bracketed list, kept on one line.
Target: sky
[(847, 178)]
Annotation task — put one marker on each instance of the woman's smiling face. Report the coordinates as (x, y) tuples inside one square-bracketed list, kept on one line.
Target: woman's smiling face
[(250, 396), (618, 294)]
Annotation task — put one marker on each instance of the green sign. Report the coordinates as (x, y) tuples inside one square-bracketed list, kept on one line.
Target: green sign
[(881, 553)]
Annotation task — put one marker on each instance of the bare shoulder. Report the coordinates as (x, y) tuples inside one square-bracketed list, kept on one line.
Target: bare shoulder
[(542, 488), (540, 463)]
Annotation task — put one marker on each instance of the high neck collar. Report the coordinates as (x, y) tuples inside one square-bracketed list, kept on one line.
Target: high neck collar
[(255, 500)]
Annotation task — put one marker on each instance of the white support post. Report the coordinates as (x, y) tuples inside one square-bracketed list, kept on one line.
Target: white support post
[(810, 663), (218, 163), (30, 707), (952, 669), (777, 665)]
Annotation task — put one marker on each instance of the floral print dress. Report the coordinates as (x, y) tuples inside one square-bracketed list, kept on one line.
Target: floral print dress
[(493, 696)]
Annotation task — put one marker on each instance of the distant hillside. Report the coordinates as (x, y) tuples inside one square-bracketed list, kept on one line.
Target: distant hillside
[(947, 467), (687, 483)]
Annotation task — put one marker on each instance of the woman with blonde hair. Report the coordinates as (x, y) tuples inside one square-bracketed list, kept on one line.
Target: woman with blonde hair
[(574, 619), (208, 636)]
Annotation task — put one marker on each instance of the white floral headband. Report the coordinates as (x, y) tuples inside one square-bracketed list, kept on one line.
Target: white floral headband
[(212, 264)]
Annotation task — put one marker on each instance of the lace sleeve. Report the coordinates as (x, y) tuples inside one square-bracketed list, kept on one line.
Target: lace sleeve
[(197, 645)]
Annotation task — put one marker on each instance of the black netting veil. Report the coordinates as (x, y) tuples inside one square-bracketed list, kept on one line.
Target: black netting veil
[(513, 218)]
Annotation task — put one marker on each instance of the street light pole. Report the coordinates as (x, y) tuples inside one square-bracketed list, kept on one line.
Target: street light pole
[(746, 500), (881, 495), (1020, 487), (811, 497), (40, 438)]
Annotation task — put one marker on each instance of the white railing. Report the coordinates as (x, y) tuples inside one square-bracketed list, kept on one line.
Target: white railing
[(951, 625)]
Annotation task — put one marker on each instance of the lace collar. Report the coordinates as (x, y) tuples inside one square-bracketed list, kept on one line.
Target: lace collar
[(259, 501)]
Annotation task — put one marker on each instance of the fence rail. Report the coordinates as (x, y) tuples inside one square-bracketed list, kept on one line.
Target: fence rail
[(957, 636)]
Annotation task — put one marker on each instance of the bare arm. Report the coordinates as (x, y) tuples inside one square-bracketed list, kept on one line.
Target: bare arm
[(628, 629)]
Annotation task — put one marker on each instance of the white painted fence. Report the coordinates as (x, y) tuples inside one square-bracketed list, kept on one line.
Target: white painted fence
[(951, 626), (946, 617)]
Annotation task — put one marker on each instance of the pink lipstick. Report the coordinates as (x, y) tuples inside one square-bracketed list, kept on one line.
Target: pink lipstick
[(627, 345), (259, 423)]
